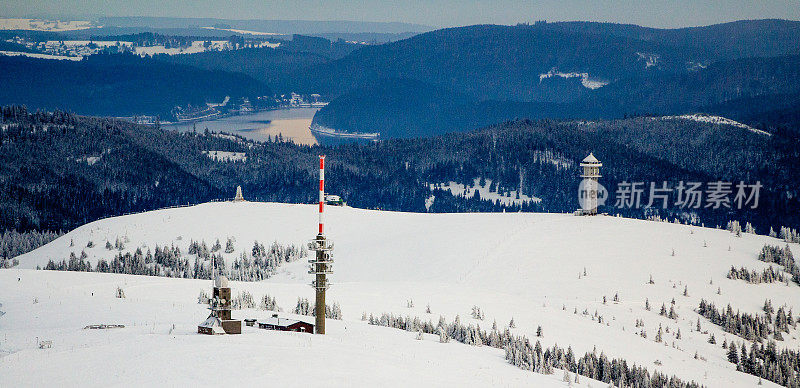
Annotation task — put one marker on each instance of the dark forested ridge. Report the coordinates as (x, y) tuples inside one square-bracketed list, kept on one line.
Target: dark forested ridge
[(467, 77), (60, 170), (273, 66), (403, 108), (504, 62), (755, 90), (485, 62), (117, 85), (495, 62), (450, 79), (739, 39), (717, 83)]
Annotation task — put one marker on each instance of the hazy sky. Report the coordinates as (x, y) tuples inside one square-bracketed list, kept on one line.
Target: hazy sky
[(436, 13)]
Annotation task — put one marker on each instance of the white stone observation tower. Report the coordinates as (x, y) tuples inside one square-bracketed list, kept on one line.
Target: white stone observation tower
[(590, 193)]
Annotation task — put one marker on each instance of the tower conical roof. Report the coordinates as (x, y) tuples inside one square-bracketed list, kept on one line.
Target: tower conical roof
[(590, 159)]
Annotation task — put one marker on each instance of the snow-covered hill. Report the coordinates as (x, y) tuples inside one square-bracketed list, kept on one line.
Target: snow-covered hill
[(541, 269)]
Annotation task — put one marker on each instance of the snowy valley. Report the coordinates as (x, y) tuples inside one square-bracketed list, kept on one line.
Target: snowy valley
[(583, 283)]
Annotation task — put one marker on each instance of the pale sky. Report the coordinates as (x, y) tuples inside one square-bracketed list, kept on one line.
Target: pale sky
[(435, 13)]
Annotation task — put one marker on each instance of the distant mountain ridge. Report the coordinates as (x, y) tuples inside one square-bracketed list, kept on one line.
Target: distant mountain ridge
[(556, 70), (117, 85), (400, 107), (738, 39), (505, 62), (462, 78), (486, 62), (269, 26)]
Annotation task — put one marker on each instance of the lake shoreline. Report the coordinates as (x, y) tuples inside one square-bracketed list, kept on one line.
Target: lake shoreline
[(290, 124)]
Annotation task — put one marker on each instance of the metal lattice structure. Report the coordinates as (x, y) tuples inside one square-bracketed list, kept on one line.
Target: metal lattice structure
[(322, 264)]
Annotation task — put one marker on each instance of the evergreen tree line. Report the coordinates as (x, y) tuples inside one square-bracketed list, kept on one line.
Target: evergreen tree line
[(304, 307), (166, 262), (748, 326), (260, 265), (268, 303), (244, 300), (522, 353), (781, 256), (14, 243), (142, 168), (788, 235), (169, 262), (765, 361), (76, 264), (752, 276), (736, 228)]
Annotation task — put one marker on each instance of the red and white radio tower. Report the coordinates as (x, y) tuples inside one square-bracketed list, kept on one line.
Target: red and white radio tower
[(322, 263), (321, 192)]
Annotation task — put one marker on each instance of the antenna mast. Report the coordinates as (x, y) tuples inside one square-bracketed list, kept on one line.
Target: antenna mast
[(322, 263)]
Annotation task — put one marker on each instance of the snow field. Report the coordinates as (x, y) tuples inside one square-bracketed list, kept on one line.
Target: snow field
[(521, 265), (458, 189), (149, 351)]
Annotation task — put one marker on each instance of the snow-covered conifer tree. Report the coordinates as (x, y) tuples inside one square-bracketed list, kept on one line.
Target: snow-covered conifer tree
[(443, 337), (229, 246)]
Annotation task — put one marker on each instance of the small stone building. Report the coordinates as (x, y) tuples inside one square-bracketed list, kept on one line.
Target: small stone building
[(220, 321)]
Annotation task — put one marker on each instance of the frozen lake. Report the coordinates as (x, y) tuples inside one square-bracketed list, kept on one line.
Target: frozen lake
[(289, 123)]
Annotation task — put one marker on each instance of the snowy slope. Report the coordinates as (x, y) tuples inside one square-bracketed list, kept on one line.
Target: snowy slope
[(38, 55), (717, 120), (150, 352), (519, 265), (587, 82), (458, 189), (44, 24)]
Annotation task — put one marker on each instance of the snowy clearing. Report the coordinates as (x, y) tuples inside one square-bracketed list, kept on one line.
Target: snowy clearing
[(585, 80), (197, 46), (40, 56), (458, 189), (541, 269), (717, 120), (80, 43), (44, 25), (650, 59), (246, 32), (226, 156)]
